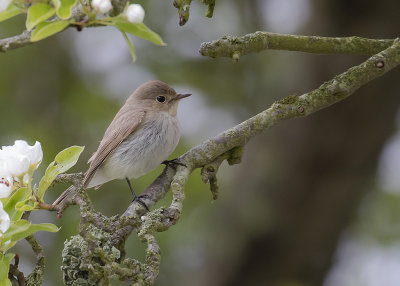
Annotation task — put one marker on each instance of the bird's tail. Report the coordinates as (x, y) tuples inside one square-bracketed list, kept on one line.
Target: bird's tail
[(66, 194)]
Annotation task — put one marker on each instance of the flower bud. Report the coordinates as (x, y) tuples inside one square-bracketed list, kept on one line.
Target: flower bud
[(102, 6), (135, 13)]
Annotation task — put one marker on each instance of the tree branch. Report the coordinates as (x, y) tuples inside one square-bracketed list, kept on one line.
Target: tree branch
[(102, 239), (333, 91), (234, 47), (18, 41), (36, 277)]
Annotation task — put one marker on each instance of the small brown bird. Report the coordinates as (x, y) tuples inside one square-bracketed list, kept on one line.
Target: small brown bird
[(142, 135)]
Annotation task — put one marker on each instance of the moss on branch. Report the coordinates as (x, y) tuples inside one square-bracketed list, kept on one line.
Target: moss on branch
[(234, 47)]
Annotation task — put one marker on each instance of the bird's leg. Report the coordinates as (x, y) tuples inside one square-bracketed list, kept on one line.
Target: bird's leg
[(135, 197), (173, 163)]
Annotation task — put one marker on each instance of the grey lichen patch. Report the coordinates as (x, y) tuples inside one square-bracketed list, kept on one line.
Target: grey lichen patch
[(83, 262), (36, 277), (73, 256), (156, 220), (335, 87)]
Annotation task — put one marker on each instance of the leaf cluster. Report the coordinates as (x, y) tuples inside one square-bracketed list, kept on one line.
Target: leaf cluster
[(45, 18)]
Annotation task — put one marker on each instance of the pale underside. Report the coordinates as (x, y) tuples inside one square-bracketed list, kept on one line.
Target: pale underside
[(140, 152)]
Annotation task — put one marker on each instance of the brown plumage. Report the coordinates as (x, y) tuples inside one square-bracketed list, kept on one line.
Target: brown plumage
[(113, 137), (141, 110)]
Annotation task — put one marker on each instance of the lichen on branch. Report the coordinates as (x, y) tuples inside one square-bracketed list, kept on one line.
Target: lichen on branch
[(234, 47)]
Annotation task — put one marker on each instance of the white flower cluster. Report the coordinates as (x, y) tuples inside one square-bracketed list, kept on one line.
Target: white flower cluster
[(135, 13), (17, 163), (4, 4), (102, 6)]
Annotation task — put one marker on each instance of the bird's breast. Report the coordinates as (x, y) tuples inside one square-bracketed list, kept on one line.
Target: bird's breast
[(146, 148)]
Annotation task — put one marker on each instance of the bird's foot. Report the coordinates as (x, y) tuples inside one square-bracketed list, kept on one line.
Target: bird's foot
[(135, 197), (173, 163), (140, 201)]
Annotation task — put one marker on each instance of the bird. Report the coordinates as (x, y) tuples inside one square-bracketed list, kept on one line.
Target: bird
[(142, 135)]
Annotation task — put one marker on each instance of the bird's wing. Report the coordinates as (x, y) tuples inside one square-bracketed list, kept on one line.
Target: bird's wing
[(117, 132)]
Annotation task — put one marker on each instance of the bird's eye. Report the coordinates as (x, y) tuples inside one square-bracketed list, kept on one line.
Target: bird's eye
[(160, 98)]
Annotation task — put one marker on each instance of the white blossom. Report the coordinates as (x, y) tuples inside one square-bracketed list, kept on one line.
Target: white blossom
[(4, 220), (33, 153), (17, 159), (4, 4), (102, 6), (135, 13), (6, 183), (17, 164)]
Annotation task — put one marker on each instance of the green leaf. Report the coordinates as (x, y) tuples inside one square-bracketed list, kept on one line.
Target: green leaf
[(62, 163), (64, 8), (5, 261), (21, 194), (139, 30), (4, 247), (15, 228), (44, 30), (131, 47), (48, 178), (68, 157), (38, 13), (26, 206), (22, 228), (10, 12)]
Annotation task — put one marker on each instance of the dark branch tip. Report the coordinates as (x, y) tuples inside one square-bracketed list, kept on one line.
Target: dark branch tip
[(182, 21)]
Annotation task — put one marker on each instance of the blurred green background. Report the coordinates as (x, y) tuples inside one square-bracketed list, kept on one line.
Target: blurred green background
[(315, 201)]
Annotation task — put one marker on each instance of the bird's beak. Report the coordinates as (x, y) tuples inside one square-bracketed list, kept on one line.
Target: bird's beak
[(182, 95)]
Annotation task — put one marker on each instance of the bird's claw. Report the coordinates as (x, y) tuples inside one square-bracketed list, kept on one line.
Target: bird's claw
[(173, 163), (139, 200)]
